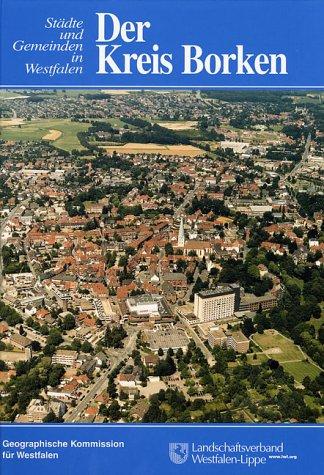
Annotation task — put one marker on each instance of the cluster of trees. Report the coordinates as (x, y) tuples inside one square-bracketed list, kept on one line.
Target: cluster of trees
[(310, 204), (159, 134), (205, 205), (241, 121), (78, 345), (154, 134), (31, 377), (167, 366), (137, 122), (98, 126), (5, 191), (247, 274), (296, 132), (252, 96), (112, 412), (53, 340), (114, 337), (10, 315), (68, 322), (11, 264), (287, 152)]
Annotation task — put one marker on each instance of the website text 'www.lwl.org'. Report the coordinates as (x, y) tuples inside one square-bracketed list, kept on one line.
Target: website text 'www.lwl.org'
[(227, 453)]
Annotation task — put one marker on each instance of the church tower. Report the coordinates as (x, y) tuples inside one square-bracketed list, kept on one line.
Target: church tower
[(181, 235)]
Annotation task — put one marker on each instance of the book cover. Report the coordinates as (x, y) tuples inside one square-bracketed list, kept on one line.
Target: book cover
[(161, 236)]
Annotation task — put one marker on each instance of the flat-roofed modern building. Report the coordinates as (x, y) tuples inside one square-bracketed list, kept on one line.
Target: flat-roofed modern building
[(217, 304), (65, 357), (143, 304), (145, 307), (237, 341), (165, 338)]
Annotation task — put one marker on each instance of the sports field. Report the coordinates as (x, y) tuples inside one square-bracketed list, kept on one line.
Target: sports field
[(278, 347), (65, 136), (301, 369)]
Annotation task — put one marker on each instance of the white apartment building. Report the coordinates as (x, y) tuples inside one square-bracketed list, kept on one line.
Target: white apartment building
[(217, 304)]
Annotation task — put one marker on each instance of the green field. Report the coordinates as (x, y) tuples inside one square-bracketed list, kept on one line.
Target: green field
[(5, 94), (117, 123), (261, 358), (47, 94), (301, 369), (305, 99), (37, 129), (318, 322), (278, 347)]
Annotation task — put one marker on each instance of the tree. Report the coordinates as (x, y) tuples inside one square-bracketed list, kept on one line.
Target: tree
[(169, 249), (54, 338), (13, 319), (68, 322), (179, 354), (49, 350), (114, 412), (114, 337), (154, 413), (86, 347), (103, 410), (165, 367), (76, 344), (44, 329), (123, 261), (51, 418), (3, 366), (112, 389), (273, 364), (35, 345), (321, 334), (55, 375), (248, 327)]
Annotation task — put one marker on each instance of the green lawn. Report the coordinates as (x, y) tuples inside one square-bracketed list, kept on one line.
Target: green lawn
[(301, 369), (278, 347), (37, 129), (317, 322), (4, 94), (261, 358), (117, 123)]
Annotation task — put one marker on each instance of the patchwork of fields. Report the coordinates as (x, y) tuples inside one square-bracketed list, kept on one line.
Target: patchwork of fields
[(65, 136)]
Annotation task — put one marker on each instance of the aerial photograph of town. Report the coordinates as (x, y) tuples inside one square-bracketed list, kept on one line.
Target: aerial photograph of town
[(161, 256)]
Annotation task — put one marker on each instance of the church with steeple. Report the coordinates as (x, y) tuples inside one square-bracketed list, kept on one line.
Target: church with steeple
[(181, 234)]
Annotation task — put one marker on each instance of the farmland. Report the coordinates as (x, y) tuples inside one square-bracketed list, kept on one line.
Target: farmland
[(152, 148), (52, 135), (40, 129), (179, 125), (10, 122)]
